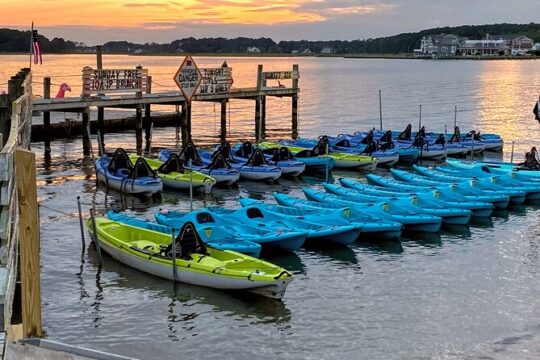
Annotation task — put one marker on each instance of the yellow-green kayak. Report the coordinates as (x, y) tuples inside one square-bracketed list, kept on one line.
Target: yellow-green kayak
[(175, 176), (196, 263)]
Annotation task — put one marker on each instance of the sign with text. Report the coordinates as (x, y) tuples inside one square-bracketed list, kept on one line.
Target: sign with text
[(104, 81), (215, 81), (280, 75), (188, 77)]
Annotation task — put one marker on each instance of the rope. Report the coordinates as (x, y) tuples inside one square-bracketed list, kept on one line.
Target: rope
[(58, 211)]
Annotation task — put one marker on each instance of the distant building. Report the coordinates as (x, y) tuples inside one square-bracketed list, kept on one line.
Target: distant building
[(253, 49), (307, 51), (484, 48), (513, 42), (536, 47), (295, 52), (327, 50), (440, 45)]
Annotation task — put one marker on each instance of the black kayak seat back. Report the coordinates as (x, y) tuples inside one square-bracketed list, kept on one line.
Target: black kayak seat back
[(190, 152), (245, 150), (387, 137), (456, 137), (282, 154), (189, 242), (225, 150), (305, 153), (257, 159), (120, 160), (368, 138), (419, 141), (441, 140), (218, 162), (386, 145), (204, 218), (173, 164), (370, 148), (406, 134), (141, 169), (320, 148), (486, 169)]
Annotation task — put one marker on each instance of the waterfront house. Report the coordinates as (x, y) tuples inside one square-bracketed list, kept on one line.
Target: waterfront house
[(327, 50), (253, 49), (514, 42), (484, 48), (440, 45)]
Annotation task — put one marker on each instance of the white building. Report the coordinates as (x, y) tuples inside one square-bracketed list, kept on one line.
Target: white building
[(253, 49), (327, 50)]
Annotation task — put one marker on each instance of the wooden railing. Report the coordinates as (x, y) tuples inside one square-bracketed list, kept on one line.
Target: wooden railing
[(17, 141)]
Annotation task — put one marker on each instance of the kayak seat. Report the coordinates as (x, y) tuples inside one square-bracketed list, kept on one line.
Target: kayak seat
[(173, 164), (254, 212), (189, 242), (406, 134), (257, 159), (282, 154), (246, 150), (123, 172), (189, 152), (218, 162), (368, 139), (343, 143), (141, 169), (120, 159)]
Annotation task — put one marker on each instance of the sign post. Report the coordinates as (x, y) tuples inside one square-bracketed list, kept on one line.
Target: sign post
[(188, 78)]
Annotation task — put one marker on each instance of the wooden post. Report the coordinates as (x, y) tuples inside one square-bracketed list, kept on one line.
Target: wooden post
[(86, 132), (47, 115), (259, 77), (183, 122), (148, 122), (263, 117), (100, 110), (138, 130), (257, 119), (223, 135), (29, 245), (294, 115)]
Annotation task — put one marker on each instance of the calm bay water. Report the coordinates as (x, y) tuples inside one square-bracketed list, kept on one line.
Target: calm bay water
[(471, 292)]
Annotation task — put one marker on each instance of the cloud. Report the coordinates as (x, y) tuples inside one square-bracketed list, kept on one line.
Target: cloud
[(141, 5)]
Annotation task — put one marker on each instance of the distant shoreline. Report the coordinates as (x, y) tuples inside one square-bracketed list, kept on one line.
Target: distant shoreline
[(281, 55)]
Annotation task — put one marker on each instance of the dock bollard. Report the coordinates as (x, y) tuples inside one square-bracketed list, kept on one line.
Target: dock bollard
[(81, 224), (173, 249), (96, 240)]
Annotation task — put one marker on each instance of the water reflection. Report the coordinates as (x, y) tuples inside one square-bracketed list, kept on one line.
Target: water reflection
[(286, 259), (426, 239), (456, 229), (378, 246)]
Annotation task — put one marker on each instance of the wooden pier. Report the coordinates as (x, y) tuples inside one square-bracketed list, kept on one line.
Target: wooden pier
[(141, 99), (20, 294)]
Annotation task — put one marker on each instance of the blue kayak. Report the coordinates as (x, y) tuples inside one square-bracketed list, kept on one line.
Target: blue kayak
[(118, 172), (478, 209), (343, 233), (411, 220), (286, 240), (413, 203), (215, 237), (371, 226), (501, 168), (415, 182), (517, 195)]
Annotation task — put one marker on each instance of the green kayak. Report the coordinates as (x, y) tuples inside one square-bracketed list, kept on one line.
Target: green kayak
[(175, 176), (196, 262)]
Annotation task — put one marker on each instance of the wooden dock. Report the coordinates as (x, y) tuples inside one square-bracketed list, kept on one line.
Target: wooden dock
[(138, 96)]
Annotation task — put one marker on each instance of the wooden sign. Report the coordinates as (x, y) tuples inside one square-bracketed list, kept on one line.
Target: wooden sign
[(280, 75), (188, 77), (215, 81), (104, 81)]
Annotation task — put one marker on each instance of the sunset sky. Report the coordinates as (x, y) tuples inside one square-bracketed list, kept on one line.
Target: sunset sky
[(98, 21)]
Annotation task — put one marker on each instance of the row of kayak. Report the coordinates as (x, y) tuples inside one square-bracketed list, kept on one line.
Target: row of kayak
[(219, 248)]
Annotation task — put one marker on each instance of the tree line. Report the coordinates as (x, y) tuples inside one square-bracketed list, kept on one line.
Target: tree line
[(19, 41)]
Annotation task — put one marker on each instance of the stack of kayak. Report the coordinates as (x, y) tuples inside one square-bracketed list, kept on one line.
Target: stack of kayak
[(320, 156)]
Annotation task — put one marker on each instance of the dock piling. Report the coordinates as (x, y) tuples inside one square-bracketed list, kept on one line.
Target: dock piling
[(223, 132), (96, 240), (86, 132), (47, 114), (148, 122), (258, 120), (139, 130), (29, 244), (294, 115)]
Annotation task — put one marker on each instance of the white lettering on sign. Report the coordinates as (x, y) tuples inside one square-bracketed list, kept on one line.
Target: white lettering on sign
[(188, 77), (113, 80), (215, 81)]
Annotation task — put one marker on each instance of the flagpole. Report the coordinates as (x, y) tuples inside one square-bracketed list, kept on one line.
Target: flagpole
[(31, 44)]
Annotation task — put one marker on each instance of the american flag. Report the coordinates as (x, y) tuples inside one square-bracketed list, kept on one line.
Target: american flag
[(36, 48)]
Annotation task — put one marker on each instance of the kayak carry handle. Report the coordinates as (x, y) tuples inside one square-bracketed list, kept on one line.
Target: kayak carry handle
[(284, 272)]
